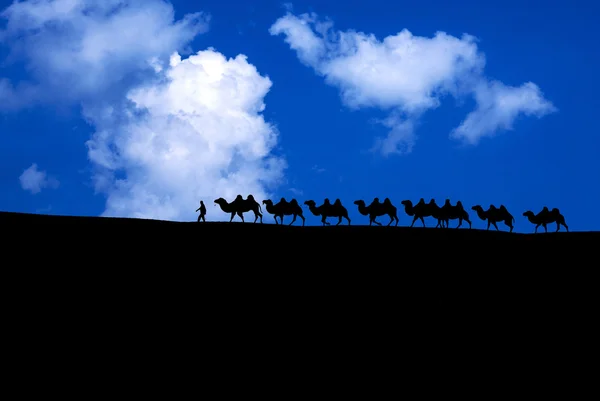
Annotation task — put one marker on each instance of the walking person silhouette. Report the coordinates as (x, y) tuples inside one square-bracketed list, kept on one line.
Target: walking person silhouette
[(202, 210)]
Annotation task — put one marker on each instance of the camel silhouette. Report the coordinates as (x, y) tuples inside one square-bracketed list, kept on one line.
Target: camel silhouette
[(421, 210), (493, 215), (284, 208), (376, 209), (328, 210), (240, 206), (452, 212), (546, 217)]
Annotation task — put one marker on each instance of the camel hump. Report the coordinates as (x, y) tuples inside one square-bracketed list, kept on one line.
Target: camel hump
[(555, 210), (387, 201), (293, 201), (250, 197), (503, 208), (337, 202), (459, 204)]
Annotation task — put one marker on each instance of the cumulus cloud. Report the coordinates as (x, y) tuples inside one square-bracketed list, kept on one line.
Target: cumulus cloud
[(195, 132), (34, 180), (408, 75), (76, 50), (169, 129)]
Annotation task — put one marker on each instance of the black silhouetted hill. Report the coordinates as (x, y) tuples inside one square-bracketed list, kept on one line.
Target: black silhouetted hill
[(48, 227), (266, 242), (108, 287)]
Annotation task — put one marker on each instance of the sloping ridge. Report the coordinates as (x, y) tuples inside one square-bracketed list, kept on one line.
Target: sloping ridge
[(217, 273), (270, 231)]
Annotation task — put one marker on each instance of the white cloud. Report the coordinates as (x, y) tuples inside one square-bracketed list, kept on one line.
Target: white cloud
[(169, 130), (34, 180), (194, 133), (498, 106), (408, 75), (76, 50)]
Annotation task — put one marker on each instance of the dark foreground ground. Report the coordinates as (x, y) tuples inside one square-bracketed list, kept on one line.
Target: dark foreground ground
[(214, 244), (103, 284)]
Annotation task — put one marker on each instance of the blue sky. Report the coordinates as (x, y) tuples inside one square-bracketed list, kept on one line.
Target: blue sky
[(142, 108)]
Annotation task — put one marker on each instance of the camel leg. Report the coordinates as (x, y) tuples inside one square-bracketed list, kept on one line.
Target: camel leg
[(303, 220), (495, 226), (293, 219), (545, 227), (414, 219), (422, 220), (565, 225), (508, 223), (459, 223), (241, 216), (347, 218), (375, 221), (324, 220), (232, 216), (339, 221), (469, 221), (397, 220), (536, 228), (260, 217), (391, 220), (488, 225)]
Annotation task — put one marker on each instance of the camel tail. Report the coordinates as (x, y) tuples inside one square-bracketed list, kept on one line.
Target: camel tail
[(259, 208)]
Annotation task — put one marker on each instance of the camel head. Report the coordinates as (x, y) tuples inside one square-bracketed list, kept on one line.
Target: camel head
[(267, 202), (359, 202), (310, 203), (406, 203), (220, 201), (528, 213), (477, 207)]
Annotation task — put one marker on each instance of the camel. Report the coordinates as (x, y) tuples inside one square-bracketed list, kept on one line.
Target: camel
[(494, 215), (284, 208), (450, 212), (240, 206), (328, 210), (376, 209), (546, 217), (422, 209)]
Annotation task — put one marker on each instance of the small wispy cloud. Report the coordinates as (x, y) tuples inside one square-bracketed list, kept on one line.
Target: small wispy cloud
[(318, 169), (34, 180)]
